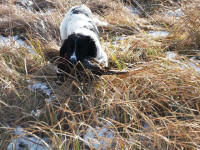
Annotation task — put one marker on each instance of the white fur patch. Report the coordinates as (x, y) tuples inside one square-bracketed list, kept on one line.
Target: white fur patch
[(72, 22), (73, 57)]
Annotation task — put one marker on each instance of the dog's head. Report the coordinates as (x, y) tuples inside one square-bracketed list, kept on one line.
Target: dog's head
[(78, 47)]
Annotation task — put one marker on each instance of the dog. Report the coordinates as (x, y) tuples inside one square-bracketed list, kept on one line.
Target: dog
[(80, 37)]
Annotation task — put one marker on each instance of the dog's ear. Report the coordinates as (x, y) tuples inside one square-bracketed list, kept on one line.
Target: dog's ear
[(64, 47), (63, 53), (92, 47)]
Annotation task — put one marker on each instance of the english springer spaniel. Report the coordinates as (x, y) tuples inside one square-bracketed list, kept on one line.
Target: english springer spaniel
[(80, 38)]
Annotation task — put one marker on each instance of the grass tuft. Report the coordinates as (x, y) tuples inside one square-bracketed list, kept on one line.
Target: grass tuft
[(155, 105)]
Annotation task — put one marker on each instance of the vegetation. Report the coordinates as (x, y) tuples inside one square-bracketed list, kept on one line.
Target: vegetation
[(156, 105)]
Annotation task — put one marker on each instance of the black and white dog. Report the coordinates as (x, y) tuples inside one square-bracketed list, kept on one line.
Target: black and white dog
[(80, 37)]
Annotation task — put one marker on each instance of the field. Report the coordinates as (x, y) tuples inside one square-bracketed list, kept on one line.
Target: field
[(154, 106)]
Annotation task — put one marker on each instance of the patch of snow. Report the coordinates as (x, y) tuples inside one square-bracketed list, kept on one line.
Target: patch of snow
[(48, 100), (195, 59), (158, 34), (4, 40), (26, 2), (145, 139), (194, 66), (36, 113), (191, 64), (118, 40), (146, 125), (171, 55), (99, 137), (36, 85), (176, 13), (46, 12), (143, 136), (24, 142), (16, 42), (133, 10)]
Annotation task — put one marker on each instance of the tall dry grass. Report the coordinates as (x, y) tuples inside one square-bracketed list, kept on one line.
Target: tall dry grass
[(154, 106)]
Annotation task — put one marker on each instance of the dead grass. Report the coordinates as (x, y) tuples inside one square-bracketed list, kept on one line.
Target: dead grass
[(185, 30), (154, 106), (188, 33)]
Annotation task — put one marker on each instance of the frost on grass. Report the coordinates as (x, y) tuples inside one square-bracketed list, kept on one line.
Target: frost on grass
[(43, 87), (176, 13), (118, 42), (15, 42), (190, 64), (133, 10), (36, 113), (36, 85), (99, 137), (24, 142), (26, 2), (158, 34)]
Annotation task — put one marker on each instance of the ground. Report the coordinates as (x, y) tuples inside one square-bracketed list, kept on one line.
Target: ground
[(155, 105)]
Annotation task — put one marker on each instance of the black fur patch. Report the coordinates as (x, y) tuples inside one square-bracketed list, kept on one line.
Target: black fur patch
[(85, 49), (84, 45), (92, 27), (80, 11)]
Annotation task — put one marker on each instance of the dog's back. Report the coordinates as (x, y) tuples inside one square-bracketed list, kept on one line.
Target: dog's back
[(77, 17)]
